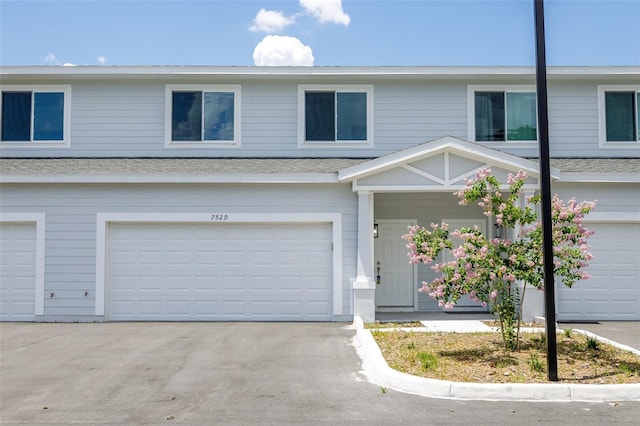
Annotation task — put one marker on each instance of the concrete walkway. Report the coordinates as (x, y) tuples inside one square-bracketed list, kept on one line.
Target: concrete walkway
[(376, 369)]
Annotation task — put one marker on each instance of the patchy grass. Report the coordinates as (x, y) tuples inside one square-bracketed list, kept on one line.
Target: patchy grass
[(375, 325), (480, 358)]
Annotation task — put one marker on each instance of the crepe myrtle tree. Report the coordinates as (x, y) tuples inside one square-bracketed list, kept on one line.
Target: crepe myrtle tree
[(487, 270)]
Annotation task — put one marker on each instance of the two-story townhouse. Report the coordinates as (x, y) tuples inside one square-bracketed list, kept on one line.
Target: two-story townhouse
[(281, 193)]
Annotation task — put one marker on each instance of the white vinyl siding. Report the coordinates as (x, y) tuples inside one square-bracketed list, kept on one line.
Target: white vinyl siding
[(220, 271), (72, 213), (126, 118)]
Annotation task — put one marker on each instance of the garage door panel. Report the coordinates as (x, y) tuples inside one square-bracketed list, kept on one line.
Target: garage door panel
[(220, 272), (17, 271), (613, 291)]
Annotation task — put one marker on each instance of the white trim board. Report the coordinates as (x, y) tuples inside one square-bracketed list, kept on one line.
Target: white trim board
[(103, 219), (40, 220)]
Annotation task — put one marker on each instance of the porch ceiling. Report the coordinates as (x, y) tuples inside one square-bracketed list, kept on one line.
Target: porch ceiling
[(443, 164)]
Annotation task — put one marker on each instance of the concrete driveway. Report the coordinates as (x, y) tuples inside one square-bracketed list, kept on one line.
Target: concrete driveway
[(227, 373)]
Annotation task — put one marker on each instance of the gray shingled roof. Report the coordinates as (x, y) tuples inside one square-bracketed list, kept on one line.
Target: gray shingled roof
[(230, 166), (597, 165), (173, 166)]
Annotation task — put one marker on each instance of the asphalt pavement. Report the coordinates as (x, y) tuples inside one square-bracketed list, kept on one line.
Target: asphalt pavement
[(231, 373)]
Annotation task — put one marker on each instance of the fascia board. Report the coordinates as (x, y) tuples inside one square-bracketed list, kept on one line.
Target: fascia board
[(445, 144), (440, 72), (160, 178)]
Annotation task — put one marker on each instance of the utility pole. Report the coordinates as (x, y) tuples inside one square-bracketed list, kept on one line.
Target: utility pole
[(545, 191)]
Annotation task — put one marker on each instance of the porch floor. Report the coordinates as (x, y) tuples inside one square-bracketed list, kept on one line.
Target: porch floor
[(431, 316)]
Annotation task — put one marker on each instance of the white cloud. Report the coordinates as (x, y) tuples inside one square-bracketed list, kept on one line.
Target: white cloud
[(326, 11), (276, 50), (101, 59), (51, 59), (270, 21)]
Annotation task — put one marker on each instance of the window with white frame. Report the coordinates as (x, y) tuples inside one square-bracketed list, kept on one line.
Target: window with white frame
[(619, 111), (198, 116), (503, 114), (335, 115), (35, 115)]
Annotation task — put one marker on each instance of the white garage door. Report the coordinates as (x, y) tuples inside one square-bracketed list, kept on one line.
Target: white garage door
[(613, 291), (17, 272), (268, 272)]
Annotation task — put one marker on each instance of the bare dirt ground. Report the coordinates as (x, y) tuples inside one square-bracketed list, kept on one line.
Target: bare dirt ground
[(481, 358)]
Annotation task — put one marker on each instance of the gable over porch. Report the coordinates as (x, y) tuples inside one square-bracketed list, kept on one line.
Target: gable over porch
[(415, 186)]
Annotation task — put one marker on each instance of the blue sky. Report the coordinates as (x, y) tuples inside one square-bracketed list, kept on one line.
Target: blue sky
[(315, 32)]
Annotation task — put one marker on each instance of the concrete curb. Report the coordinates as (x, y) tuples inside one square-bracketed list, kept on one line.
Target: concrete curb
[(377, 371)]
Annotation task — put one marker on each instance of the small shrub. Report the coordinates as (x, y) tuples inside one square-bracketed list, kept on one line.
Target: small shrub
[(536, 364), (592, 343), (428, 360)]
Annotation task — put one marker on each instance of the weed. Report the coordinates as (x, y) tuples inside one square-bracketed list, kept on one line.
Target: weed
[(428, 360), (629, 370), (535, 364), (592, 343), (539, 342), (411, 345), (567, 332), (383, 389)]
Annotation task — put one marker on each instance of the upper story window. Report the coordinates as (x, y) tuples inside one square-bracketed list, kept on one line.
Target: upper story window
[(33, 116), (619, 112), (199, 116), (335, 116), (502, 114)]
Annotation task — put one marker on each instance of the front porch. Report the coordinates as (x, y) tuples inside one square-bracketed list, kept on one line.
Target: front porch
[(415, 187)]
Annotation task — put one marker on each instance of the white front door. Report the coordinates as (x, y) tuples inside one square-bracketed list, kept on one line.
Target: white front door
[(464, 303), (396, 285)]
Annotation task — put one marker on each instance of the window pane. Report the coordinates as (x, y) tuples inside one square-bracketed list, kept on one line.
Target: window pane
[(320, 116), (48, 116), (352, 116), (620, 116), (16, 116), (521, 117), (186, 123), (489, 112), (218, 116)]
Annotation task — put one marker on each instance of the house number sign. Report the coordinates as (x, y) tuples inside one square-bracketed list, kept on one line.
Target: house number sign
[(219, 217)]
